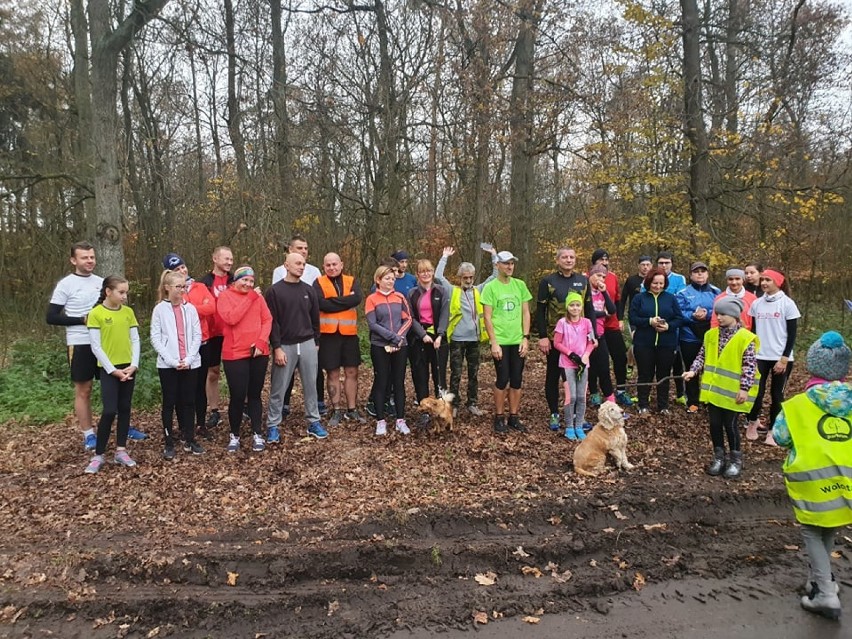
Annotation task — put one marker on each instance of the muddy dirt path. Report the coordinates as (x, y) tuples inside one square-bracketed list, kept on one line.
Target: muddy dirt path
[(579, 560)]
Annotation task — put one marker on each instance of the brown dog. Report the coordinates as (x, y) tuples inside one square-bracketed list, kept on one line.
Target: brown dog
[(441, 410), (607, 437)]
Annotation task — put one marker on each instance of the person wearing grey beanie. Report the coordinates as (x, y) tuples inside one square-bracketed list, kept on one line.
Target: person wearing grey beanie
[(728, 357), (816, 426)]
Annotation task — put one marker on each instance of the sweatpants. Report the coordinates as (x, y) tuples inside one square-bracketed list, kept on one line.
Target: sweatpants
[(178, 387), (819, 542), (304, 357), (117, 397), (459, 352), (776, 390), (320, 386), (575, 396), (245, 383), (388, 369), (723, 423)]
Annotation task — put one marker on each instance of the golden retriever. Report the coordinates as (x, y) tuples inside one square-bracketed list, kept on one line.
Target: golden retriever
[(441, 410), (607, 437)]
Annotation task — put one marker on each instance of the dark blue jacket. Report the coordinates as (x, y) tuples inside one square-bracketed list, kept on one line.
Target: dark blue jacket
[(645, 306), (689, 299)]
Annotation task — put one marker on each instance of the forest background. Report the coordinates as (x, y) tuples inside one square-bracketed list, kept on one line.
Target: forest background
[(720, 130)]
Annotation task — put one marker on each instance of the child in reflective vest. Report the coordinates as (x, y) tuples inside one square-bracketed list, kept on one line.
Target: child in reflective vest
[(817, 428), (728, 357)]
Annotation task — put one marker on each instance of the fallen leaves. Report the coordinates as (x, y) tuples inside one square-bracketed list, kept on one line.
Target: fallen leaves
[(520, 552), (531, 619), (652, 527), (480, 617), (791, 547), (638, 582), (486, 579), (232, 578), (531, 570)]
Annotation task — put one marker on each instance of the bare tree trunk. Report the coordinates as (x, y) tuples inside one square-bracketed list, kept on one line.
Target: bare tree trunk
[(83, 108), (107, 44), (279, 101), (234, 116), (696, 134), (196, 112), (521, 126)]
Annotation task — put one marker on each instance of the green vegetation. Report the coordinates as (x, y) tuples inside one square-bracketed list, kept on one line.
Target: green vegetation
[(35, 387)]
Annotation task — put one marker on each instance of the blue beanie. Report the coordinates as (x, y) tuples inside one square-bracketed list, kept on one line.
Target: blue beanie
[(828, 357)]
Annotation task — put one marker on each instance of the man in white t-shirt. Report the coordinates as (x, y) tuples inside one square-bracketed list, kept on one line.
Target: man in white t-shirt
[(74, 296), (298, 244)]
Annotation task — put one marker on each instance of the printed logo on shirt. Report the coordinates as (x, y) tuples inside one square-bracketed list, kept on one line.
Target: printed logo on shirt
[(107, 320), (509, 306)]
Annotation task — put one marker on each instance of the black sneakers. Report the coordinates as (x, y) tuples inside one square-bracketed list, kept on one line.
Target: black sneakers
[(500, 426), (515, 424)]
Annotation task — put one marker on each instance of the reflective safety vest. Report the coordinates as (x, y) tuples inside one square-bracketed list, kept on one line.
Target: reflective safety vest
[(819, 478), (720, 382), (345, 322), (456, 312)]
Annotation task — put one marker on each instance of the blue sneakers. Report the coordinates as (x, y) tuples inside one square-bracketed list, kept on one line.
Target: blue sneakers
[(136, 435), (623, 398), (90, 441), (596, 399), (571, 433), (322, 408), (554, 422), (272, 435), (581, 434), (316, 430)]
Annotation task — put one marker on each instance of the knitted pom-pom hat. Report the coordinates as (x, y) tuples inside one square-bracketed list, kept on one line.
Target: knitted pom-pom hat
[(829, 356)]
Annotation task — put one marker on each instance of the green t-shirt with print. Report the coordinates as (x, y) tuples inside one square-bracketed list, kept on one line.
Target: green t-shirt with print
[(115, 331), (507, 301)]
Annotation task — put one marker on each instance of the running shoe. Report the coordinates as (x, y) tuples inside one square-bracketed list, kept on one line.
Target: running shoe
[(623, 398), (233, 444), (194, 448), (273, 436), (90, 441), (258, 445), (169, 452), (354, 415), (402, 428), (596, 399), (123, 459), (554, 424), (516, 424), (213, 419), (336, 417), (500, 426), (571, 433), (381, 428), (323, 409), (315, 429), (136, 435), (474, 410), (94, 465)]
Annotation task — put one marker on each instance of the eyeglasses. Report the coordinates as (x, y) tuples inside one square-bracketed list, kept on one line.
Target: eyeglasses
[(660, 262)]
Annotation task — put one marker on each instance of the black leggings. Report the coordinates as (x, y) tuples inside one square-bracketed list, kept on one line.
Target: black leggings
[(510, 369), (776, 390), (245, 382), (552, 379), (689, 351), (618, 355), (178, 387), (653, 362), (117, 397), (426, 360), (201, 385), (388, 368), (599, 369), (723, 423)]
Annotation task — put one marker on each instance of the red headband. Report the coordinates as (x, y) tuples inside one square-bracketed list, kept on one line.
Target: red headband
[(775, 276)]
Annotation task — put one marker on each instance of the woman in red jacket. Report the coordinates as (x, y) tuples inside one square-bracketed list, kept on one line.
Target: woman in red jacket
[(245, 352)]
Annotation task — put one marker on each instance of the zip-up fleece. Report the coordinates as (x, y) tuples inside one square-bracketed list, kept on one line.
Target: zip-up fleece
[(645, 306), (389, 318), (440, 303)]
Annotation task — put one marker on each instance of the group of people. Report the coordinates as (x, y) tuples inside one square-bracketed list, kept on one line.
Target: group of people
[(731, 344)]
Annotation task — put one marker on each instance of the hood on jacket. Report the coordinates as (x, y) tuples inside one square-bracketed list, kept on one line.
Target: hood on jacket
[(834, 398)]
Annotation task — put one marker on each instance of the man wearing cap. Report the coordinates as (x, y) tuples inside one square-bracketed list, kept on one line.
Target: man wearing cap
[(550, 307), (404, 281), (696, 306), (216, 281), (613, 336), (72, 299), (506, 309), (205, 304), (339, 296), (736, 288), (294, 340)]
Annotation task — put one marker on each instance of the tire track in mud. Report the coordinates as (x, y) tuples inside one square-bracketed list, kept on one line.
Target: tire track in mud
[(418, 569)]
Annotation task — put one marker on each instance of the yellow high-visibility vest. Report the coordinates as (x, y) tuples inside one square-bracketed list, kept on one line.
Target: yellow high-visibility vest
[(720, 381)]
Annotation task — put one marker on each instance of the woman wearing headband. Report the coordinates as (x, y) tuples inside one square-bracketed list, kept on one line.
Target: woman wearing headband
[(775, 323)]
